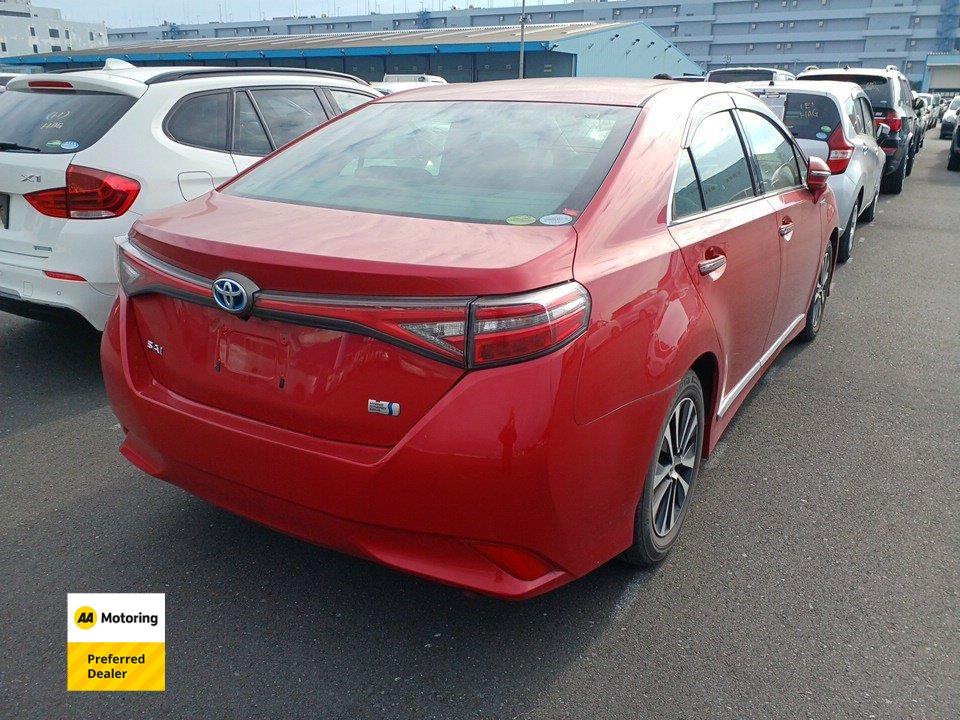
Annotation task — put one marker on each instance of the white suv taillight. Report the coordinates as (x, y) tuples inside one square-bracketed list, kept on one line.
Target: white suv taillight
[(89, 195)]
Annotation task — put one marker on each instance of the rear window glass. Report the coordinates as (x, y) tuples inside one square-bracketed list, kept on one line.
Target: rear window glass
[(729, 76), (57, 121), (808, 117), (516, 163), (201, 121), (878, 88)]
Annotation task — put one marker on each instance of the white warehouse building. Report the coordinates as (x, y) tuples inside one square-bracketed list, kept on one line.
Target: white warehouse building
[(27, 29)]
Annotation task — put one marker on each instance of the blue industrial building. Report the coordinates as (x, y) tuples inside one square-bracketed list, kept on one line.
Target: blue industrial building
[(788, 34), (458, 55)]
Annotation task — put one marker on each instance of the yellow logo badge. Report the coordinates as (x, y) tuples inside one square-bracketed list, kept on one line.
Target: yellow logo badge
[(85, 617)]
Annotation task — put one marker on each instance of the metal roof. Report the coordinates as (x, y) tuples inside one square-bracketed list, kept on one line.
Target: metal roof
[(449, 39)]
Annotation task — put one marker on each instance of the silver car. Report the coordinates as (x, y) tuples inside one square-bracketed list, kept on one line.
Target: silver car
[(834, 121)]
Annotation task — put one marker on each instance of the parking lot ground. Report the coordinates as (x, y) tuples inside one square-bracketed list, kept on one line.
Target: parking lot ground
[(817, 577)]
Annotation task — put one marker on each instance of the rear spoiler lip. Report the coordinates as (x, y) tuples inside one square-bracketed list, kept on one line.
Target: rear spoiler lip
[(89, 81)]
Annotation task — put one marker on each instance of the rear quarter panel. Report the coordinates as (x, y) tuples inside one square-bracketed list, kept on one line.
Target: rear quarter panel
[(648, 324)]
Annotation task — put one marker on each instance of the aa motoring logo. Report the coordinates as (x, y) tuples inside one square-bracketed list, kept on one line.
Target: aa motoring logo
[(116, 641)]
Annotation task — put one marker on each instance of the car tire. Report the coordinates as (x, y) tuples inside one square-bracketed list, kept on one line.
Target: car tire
[(953, 163), (818, 302), (893, 183), (870, 213), (670, 478), (849, 235)]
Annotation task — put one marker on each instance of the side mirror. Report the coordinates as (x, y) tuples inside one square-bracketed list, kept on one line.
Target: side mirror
[(818, 173), (882, 131), (918, 104)]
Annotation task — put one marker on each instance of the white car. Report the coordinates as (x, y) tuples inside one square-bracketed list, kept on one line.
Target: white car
[(4, 79), (398, 83), (84, 154), (835, 122)]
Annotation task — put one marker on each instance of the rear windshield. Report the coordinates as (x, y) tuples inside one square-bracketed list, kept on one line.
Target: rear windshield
[(878, 88), (955, 103), (57, 121), (518, 163), (729, 76), (807, 116)]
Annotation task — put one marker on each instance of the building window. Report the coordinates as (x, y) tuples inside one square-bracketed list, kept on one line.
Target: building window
[(33, 32), (750, 47), (3, 47), (91, 37), (54, 33), (756, 5), (792, 24), (501, 19), (616, 13), (916, 21), (36, 50), (781, 26), (779, 46), (676, 9), (753, 26), (67, 34), (673, 30), (818, 45), (819, 23), (909, 65), (789, 46), (55, 48), (913, 43)]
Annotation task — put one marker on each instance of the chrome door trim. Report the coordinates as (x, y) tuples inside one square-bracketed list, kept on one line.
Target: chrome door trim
[(728, 399)]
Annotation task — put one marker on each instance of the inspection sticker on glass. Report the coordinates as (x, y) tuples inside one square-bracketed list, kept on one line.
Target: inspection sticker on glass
[(116, 642)]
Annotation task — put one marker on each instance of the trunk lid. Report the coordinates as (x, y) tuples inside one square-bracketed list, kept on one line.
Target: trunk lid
[(344, 384)]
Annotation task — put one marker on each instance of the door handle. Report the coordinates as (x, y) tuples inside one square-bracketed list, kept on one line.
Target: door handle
[(786, 229), (712, 264)]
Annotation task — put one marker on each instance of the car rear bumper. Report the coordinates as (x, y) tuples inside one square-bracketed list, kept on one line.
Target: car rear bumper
[(28, 292), (499, 460)]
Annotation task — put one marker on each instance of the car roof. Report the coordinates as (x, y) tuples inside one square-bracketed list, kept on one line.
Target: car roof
[(581, 90), (817, 87)]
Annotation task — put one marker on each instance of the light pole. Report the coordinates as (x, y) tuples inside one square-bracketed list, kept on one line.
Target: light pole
[(523, 25)]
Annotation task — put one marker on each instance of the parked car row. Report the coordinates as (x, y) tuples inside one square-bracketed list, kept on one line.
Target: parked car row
[(491, 348)]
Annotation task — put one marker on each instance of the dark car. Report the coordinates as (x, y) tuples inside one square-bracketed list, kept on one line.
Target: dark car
[(893, 104), (953, 162)]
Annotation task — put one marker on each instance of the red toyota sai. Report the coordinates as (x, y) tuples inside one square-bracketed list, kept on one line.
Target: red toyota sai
[(480, 333)]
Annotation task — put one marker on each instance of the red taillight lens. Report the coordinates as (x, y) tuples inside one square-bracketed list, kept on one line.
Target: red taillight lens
[(890, 118), (517, 327), (840, 151), (89, 195)]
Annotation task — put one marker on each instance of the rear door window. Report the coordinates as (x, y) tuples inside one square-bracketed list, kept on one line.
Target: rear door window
[(201, 121), (773, 152), (289, 112), (720, 161), (810, 117), (56, 121), (249, 137), (867, 113)]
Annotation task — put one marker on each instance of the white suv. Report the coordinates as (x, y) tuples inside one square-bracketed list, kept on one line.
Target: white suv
[(84, 154)]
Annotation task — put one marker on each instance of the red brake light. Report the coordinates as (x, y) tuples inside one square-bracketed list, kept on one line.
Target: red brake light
[(89, 195), (840, 151), (519, 563), (890, 118), (55, 275), (50, 84), (516, 327)]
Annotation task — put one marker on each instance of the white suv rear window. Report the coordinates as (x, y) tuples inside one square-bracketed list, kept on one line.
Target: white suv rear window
[(57, 121)]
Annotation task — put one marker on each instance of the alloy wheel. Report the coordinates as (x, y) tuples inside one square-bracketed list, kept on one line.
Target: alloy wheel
[(676, 464), (820, 294)]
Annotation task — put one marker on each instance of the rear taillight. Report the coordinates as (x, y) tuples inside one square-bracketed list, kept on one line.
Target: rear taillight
[(840, 151), (890, 118), (507, 329), (89, 195), (471, 332)]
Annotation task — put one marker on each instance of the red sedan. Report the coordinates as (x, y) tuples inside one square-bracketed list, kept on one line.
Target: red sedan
[(481, 333)]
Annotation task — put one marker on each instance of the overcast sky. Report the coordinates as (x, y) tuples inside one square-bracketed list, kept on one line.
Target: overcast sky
[(123, 13)]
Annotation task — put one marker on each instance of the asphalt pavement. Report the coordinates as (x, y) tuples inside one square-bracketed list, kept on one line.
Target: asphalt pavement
[(817, 576)]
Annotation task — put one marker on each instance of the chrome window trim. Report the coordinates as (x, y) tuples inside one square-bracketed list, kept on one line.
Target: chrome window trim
[(728, 398)]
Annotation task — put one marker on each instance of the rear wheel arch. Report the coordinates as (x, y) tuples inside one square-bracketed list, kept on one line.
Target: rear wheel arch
[(707, 368)]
